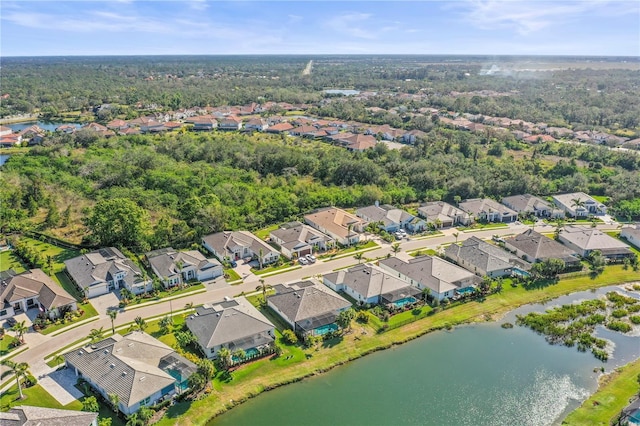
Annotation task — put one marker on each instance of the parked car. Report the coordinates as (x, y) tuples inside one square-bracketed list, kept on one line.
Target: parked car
[(303, 261), (311, 258), (233, 263), (11, 322)]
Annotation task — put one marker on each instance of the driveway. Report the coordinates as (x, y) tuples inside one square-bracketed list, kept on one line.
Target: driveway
[(60, 385), (105, 302)]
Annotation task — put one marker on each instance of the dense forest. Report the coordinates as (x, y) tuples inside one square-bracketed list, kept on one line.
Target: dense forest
[(180, 186), (583, 94)]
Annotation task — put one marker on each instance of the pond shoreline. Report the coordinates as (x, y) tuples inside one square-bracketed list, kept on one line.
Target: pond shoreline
[(390, 339)]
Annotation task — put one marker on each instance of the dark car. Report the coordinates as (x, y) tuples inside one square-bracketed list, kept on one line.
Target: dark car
[(233, 263), (11, 322)]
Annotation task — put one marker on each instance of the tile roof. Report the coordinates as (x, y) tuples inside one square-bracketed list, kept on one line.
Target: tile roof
[(588, 238), (36, 283), (295, 233), (224, 241), (477, 206), (388, 215), (335, 221), (440, 210), (232, 321), (26, 415), (133, 366), (307, 299), (484, 256), (101, 266), (436, 273), (165, 261), (540, 247), (526, 203), (367, 280)]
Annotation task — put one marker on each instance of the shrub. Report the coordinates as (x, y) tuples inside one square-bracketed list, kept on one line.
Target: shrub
[(619, 313), (362, 317), (620, 326), (30, 380), (289, 337), (635, 319), (507, 325)]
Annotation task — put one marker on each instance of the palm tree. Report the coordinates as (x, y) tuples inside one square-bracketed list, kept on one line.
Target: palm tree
[(358, 257), (577, 203), (112, 315), (180, 265), (165, 323), (50, 264), (224, 358), (114, 400), (395, 248), (264, 291), (96, 334), (141, 324), (456, 235), (19, 370), (58, 359), (349, 233), (20, 328)]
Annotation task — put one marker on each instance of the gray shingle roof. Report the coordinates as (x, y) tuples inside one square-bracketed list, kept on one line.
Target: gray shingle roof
[(440, 210), (588, 238), (100, 266), (217, 325), (26, 415), (526, 203), (366, 280), (36, 283), (307, 299), (223, 242), (540, 247), (128, 366), (477, 206), (386, 214), (295, 233)]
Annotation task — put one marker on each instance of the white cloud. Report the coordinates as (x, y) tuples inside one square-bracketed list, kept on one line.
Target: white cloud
[(351, 24), (199, 5)]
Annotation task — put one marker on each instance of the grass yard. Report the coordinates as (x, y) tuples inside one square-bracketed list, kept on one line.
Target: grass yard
[(231, 275), (339, 252), (263, 234), (36, 396), (616, 234), (611, 397), (274, 270), (5, 344), (65, 282), (8, 260), (483, 227), (89, 311), (58, 254), (422, 251), (272, 372)]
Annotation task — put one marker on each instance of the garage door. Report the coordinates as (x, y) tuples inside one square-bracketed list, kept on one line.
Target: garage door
[(304, 252)]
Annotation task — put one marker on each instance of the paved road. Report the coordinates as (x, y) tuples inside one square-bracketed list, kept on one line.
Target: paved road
[(41, 346)]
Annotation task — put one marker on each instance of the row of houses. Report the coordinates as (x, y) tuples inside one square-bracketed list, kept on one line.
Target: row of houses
[(120, 364)]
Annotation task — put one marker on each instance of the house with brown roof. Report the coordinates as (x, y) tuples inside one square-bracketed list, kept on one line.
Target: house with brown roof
[(535, 247), (229, 123), (343, 227), (488, 210), (356, 142), (26, 415), (482, 258), (443, 215), (283, 127), (34, 290), (256, 124), (530, 204), (203, 123), (296, 240), (175, 267)]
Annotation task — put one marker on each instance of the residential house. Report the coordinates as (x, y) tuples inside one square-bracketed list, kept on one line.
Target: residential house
[(233, 324), (10, 140), (33, 289), (483, 258), (99, 129), (585, 239), (280, 128), (229, 123), (236, 245), (528, 204), (309, 307), (106, 269), (5, 131), (535, 247), (442, 278), (26, 415), (370, 284), (139, 369), (412, 136), (539, 139), (174, 268), (203, 123), (488, 210), (579, 204), (390, 218), (66, 128), (357, 142), (152, 126), (631, 234), (296, 240), (444, 215), (343, 227), (117, 124), (256, 124)]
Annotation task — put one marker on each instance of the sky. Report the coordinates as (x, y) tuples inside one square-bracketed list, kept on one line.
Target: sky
[(466, 27)]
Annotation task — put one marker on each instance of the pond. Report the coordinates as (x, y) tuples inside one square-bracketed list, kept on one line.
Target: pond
[(44, 125), (474, 375)]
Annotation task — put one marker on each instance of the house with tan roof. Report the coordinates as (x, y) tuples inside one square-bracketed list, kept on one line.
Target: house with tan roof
[(140, 370), (585, 240), (283, 127), (236, 245), (390, 218), (443, 215), (33, 290), (256, 124), (174, 267), (631, 234), (370, 284), (309, 307), (530, 204), (579, 204), (233, 324), (340, 225), (229, 123), (442, 278), (297, 239)]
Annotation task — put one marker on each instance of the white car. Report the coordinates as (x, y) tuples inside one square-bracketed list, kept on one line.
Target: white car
[(311, 258), (303, 261)]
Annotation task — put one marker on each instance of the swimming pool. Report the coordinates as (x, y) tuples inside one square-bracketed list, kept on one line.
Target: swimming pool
[(405, 301), (249, 353), (320, 331), (466, 290), (522, 273)]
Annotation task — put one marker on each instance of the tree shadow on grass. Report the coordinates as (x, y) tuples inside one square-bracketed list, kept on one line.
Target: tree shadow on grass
[(330, 343), (178, 410)]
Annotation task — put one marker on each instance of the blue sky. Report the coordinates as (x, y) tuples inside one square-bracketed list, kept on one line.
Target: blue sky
[(130, 27)]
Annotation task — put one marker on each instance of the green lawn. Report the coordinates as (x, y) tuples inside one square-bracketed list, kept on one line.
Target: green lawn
[(58, 254), (65, 282), (483, 227), (36, 396), (279, 269), (232, 275), (5, 344), (422, 251), (616, 234), (8, 260), (612, 396), (174, 291), (263, 234), (339, 252), (268, 373), (89, 311)]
